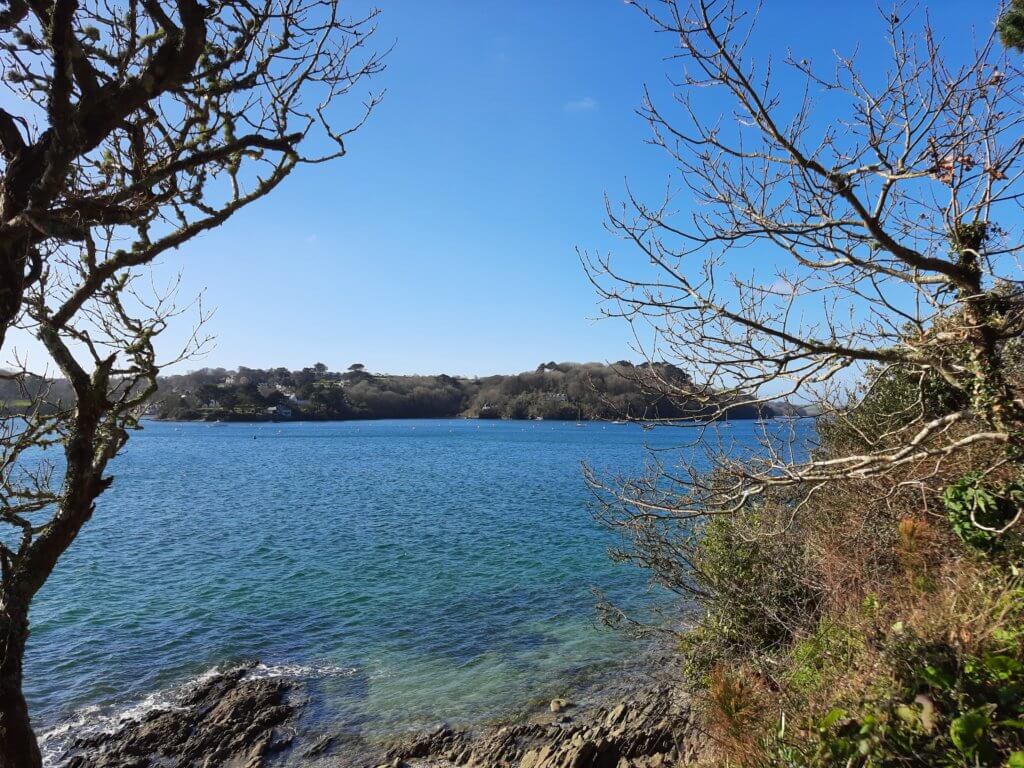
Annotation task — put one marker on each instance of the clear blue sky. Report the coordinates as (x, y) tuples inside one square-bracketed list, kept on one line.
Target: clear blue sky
[(445, 241)]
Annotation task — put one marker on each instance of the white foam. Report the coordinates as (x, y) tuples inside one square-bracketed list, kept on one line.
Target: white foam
[(301, 670)]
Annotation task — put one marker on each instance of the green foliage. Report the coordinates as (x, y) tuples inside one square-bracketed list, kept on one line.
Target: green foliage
[(895, 397), (574, 390), (968, 732), (912, 731), (945, 706), (971, 503), (817, 656), (969, 236), (755, 592), (1011, 26)]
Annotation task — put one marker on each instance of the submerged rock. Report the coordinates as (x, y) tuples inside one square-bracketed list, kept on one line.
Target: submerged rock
[(229, 720), (651, 729), (557, 705), (319, 747)]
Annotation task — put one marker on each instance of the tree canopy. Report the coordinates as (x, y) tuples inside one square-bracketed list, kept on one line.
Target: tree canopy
[(552, 391)]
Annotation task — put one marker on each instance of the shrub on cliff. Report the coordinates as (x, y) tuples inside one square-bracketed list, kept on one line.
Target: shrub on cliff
[(852, 591)]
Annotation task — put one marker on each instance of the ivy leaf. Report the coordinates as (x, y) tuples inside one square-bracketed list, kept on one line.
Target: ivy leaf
[(833, 717), (1002, 667), (968, 730), (938, 678)]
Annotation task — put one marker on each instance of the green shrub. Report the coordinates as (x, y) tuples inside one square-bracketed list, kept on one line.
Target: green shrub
[(971, 503), (894, 399), (817, 657), (755, 589), (1011, 25), (945, 706)]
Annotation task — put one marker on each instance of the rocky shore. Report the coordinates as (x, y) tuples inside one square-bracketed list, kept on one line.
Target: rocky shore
[(649, 730), (230, 719), (236, 719)]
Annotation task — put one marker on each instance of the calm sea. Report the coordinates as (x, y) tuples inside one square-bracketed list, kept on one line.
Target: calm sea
[(410, 571)]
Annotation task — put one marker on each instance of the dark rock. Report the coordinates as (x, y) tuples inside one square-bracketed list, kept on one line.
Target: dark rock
[(319, 747), (652, 729), (228, 720)]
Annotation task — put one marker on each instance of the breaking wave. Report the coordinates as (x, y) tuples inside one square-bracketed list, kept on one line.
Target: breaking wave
[(95, 720)]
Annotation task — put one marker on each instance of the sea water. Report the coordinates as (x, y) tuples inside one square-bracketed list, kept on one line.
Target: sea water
[(410, 572)]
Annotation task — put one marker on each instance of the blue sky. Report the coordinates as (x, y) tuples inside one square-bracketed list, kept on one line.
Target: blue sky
[(445, 241)]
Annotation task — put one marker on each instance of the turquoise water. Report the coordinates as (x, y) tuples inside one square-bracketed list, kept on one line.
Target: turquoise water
[(412, 571)]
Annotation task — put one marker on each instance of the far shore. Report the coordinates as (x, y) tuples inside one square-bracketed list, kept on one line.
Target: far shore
[(268, 419)]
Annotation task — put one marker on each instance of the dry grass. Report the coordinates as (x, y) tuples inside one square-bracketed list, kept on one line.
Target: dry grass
[(735, 708), (885, 574)]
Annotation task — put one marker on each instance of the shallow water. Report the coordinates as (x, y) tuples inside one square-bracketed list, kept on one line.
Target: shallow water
[(415, 571)]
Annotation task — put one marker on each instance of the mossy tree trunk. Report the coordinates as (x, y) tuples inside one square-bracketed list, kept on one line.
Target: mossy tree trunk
[(18, 746), (990, 394)]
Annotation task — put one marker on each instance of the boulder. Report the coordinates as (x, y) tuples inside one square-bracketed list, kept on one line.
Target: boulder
[(230, 720), (557, 705)]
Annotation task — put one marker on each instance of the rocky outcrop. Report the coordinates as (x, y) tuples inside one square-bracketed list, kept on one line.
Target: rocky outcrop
[(650, 730), (231, 720), (238, 719)]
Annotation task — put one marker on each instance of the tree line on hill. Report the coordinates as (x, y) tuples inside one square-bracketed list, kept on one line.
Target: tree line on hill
[(581, 391)]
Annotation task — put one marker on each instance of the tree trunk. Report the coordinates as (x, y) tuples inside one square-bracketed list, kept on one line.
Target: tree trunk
[(25, 166), (83, 483), (18, 746), (12, 285), (990, 393)]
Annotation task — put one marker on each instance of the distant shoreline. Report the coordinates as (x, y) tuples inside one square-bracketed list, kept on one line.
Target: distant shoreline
[(649, 393), (258, 419)]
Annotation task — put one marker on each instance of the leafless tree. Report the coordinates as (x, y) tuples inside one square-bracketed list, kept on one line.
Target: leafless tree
[(139, 126), (841, 230)]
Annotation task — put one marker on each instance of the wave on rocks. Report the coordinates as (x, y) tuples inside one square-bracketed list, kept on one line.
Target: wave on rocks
[(96, 721)]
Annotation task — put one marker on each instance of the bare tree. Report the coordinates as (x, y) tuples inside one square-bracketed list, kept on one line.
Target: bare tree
[(843, 230), (142, 125)]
